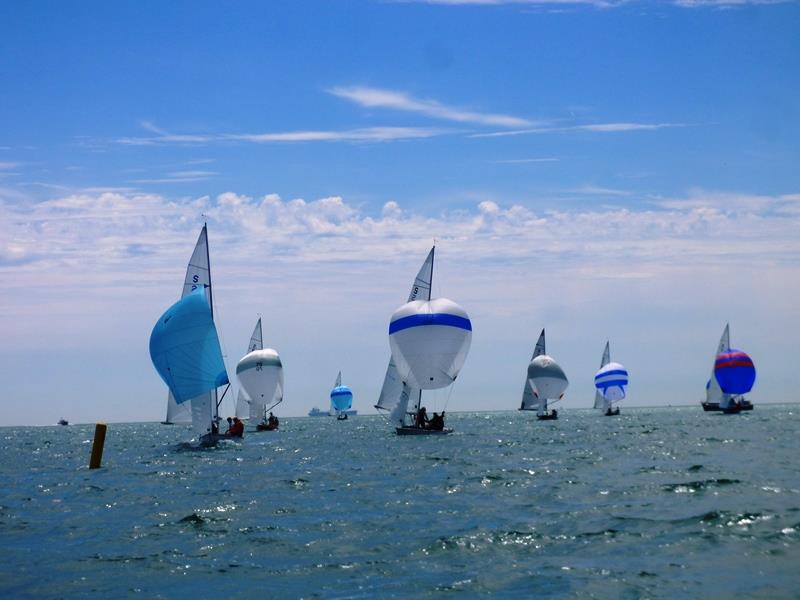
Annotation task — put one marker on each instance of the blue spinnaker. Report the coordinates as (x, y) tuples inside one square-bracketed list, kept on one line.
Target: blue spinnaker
[(342, 397), (185, 350)]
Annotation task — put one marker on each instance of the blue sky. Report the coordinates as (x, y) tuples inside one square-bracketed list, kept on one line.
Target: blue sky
[(623, 170)]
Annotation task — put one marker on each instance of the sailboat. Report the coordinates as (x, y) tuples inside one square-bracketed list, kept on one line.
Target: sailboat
[(545, 381), (185, 350), (198, 272), (260, 373), (716, 399), (610, 381), (341, 399), (203, 409), (429, 340), (242, 410)]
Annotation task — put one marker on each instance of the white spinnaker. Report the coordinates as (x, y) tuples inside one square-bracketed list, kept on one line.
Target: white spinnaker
[(392, 388), (547, 379), (714, 393), (260, 374), (599, 401), (529, 400), (431, 342)]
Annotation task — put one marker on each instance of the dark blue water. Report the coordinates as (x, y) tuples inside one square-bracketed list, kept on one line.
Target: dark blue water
[(654, 503)]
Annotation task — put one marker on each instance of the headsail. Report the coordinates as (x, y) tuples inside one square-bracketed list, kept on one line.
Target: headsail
[(714, 393), (529, 399), (394, 392), (243, 400), (338, 380), (198, 273), (599, 401)]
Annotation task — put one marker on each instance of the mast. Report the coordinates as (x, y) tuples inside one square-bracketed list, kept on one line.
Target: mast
[(217, 399), (430, 292)]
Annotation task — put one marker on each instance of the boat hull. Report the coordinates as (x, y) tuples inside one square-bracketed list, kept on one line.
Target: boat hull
[(550, 417), (714, 406), (263, 427), (420, 431), (611, 413)]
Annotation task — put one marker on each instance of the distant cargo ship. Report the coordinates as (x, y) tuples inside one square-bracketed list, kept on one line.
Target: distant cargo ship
[(316, 412)]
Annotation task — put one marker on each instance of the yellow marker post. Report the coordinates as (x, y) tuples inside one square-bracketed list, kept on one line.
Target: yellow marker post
[(97, 446)]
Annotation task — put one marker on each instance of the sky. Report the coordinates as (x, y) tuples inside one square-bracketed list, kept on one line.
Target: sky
[(607, 170)]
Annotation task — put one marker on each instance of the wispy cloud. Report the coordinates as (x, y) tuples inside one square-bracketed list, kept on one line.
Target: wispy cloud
[(592, 127), (180, 177), (366, 134), (601, 3), (521, 161), (597, 3), (370, 97)]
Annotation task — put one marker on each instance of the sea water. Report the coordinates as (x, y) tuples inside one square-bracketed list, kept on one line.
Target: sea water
[(669, 502)]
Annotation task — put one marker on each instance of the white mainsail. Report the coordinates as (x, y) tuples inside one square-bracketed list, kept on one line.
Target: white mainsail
[(198, 272), (599, 401), (395, 395), (529, 399), (714, 393), (243, 400)]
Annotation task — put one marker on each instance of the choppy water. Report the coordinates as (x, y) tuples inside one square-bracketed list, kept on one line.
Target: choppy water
[(655, 503)]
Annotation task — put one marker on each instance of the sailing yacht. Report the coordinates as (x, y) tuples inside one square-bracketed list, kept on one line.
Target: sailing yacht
[(260, 374), (202, 410), (430, 340), (545, 381), (611, 381), (716, 399)]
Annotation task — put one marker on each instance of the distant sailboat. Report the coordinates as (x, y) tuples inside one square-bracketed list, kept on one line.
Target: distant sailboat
[(260, 373), (430, 340), (611, 381), (185, 350), (716, 399), (545, 381), (341, 399)]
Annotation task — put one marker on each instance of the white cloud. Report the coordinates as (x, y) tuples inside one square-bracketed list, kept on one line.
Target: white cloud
[(519, 161), (368, 134), (370, 97), (592, 127), (90, 271)]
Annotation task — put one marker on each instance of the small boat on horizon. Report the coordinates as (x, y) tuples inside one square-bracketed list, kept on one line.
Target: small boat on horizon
[(63, 421), (545, 381)]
